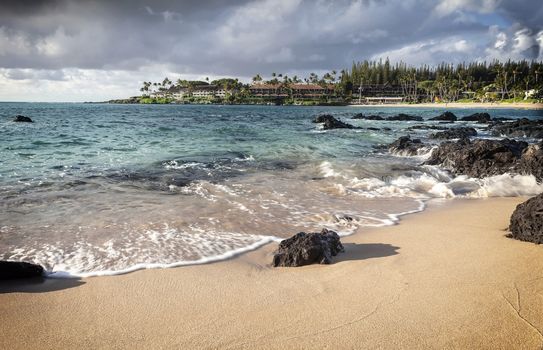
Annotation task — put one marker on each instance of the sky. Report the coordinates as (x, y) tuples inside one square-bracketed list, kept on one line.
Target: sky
[(68, 50)]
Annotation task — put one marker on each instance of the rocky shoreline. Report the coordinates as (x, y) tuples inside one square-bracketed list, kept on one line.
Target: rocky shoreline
[(460, 153), (454, 148), (476, 158)]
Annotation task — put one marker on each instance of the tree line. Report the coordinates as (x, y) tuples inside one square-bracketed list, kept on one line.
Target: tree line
[(478, 81), (449, 82)]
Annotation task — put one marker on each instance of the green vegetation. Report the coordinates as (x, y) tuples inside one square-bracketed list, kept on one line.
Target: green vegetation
[(157, 100), (512, 81), (476, 81)]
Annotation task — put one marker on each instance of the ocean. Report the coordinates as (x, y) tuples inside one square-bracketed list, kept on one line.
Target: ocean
[(98, 189)]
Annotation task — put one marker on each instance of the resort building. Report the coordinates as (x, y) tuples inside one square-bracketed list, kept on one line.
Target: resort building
[(379, 90), (175, 92), (157, 94), (307, 91), (203, 91), (298, 91), (178, 92), (378, 94), (221, 93), (382, 100), (268, 90)]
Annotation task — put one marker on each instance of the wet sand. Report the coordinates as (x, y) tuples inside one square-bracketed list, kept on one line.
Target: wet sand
[(444, 278)]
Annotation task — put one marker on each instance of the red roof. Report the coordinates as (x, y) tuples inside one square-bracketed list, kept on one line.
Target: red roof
[(265, 86), (306, 87)]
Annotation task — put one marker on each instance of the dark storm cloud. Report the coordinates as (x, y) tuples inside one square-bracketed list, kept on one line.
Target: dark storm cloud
[(246, 37)]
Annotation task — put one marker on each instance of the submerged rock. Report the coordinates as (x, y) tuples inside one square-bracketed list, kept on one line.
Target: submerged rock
[(368, 117), (447, 116), (477, 117), (478, 158), (406, 146), (456, 133), (308, 248), (18, 269), (519, 128), (22, 119), (331, 123), (405, 117), (526, 223)]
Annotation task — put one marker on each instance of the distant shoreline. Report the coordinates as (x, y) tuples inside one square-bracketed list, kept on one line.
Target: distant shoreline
[(451, 105), (460, 105)]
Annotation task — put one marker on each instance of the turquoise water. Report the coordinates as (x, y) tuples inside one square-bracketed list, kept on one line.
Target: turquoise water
[(98, 189)]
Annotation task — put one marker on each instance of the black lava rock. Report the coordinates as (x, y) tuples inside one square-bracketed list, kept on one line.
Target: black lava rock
[(308, 248), (18, 269), (519, 128), (447, 116), (331, 123), (456, 133), (531, 161), (477, 117), (478, 158), (526, 223), (22, 119), (405, 146)]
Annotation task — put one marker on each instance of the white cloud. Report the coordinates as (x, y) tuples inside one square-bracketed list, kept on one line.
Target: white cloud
[(523, 40), (539, 39), (78, 85), (513, 43), (451, 49), (446, 7), (33, 74), (103, 38)]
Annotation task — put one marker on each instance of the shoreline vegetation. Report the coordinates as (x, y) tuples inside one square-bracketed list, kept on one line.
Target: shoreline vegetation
[(368, 83)]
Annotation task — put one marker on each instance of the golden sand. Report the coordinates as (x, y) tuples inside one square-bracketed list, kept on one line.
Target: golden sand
[(447, 278)]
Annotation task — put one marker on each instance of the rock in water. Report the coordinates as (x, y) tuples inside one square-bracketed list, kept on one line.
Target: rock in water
[(22, 119), (308, 248), (447, 116), (19, 269), (477, 117), (527, 221), (519, 128), (456, 133), (331, 123), (404, 118), (478, 158), (405, 146), (531, 161)]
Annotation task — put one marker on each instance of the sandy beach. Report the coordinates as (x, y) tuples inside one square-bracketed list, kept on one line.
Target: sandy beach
[(461, 105), (444, 278)]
